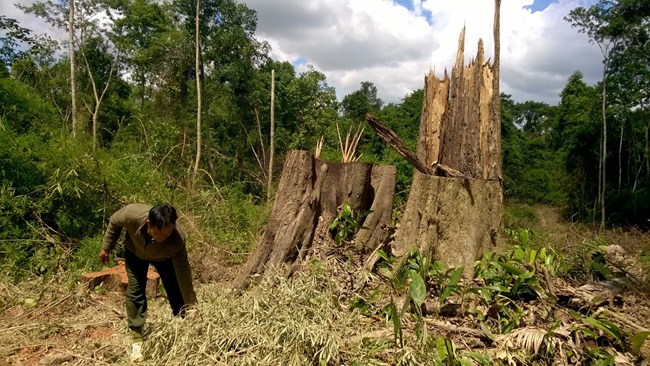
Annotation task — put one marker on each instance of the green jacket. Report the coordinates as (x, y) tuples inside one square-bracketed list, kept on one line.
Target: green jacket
[(132, 218)]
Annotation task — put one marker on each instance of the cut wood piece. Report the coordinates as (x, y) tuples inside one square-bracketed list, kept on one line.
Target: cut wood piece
[(451, 219), (116, 279), (308, 199)]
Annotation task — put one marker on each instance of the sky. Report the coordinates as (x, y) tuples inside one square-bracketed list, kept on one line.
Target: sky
[(393, 44)]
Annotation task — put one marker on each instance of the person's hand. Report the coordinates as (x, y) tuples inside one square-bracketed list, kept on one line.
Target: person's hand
[(103, 256)]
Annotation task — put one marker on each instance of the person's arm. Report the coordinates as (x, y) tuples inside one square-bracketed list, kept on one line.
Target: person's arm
[(184, 276), (112, 234)]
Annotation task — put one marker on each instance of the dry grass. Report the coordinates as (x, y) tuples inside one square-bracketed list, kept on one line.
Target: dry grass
[(278, 322)]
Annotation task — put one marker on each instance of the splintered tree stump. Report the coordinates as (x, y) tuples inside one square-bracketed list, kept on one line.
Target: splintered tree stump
[(455, 205), (307, 201)]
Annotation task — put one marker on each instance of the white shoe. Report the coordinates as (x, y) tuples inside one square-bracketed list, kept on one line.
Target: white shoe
[(136, 352)]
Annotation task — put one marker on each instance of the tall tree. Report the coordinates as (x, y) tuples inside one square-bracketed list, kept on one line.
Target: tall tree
[(146, 37), (272, 137), (73, 84), (592, 22), (81, 19), (198, 86), (12, 35), (574, 133)]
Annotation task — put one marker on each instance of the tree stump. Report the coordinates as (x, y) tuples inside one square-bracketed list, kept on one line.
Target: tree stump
[(452, 219), (455, 206), (307, 201)]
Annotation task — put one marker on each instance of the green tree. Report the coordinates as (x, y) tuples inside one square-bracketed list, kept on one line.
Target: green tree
[(574, 134), (356, 104), (143, 34), (592, 21), (12, 35)]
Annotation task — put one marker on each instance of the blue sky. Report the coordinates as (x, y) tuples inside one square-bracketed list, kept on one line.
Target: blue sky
[(539, 5)]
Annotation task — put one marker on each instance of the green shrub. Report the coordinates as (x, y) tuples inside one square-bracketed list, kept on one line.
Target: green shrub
[(518, 216), (24, 109)]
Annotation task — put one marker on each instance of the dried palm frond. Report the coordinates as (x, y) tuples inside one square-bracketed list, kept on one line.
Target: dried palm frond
[(529, 340)]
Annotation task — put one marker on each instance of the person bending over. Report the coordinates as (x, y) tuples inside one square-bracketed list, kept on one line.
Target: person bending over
[(152, 237)]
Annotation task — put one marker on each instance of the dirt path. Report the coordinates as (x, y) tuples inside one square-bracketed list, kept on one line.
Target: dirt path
[(549, 217)]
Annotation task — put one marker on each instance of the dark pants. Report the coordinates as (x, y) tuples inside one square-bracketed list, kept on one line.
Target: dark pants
[(136, 299)]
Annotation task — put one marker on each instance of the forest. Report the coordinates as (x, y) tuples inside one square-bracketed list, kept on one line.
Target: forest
[(170, 101)]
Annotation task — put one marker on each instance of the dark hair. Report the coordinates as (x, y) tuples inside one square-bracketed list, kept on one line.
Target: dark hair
[(162, 215)]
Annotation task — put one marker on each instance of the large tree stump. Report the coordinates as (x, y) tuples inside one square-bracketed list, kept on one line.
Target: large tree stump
[(455, 206), (451, 219), (307, 201)]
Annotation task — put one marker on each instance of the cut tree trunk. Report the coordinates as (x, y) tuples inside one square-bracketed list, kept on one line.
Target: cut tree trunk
[(455, 205), (309, 196), (451, 219)]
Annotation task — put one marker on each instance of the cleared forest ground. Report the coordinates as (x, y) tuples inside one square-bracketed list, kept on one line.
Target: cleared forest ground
[(333, 313)]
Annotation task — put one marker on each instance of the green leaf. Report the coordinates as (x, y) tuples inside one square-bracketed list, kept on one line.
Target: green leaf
[(347, 210), (383, 255), (512, 269), (518, 254), (452, 286), (532, 255), (486, 330), (417, 289), (606, 327), (455, 277), (523, 237), (481, 359), (441, 347), (638, 340), (604, 271)]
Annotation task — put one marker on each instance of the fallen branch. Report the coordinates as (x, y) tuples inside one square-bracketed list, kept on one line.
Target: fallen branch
[(397, 144), (621, 318)]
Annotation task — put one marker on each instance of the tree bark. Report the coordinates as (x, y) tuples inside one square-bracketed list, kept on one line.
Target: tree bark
[(309, 196), (272, 137), (198, 88), (604, 157), (620, 162), (454, 220), (73, 83)]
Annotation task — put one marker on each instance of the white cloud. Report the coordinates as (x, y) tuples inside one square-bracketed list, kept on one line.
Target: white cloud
[(37, 25), (383, 42)]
